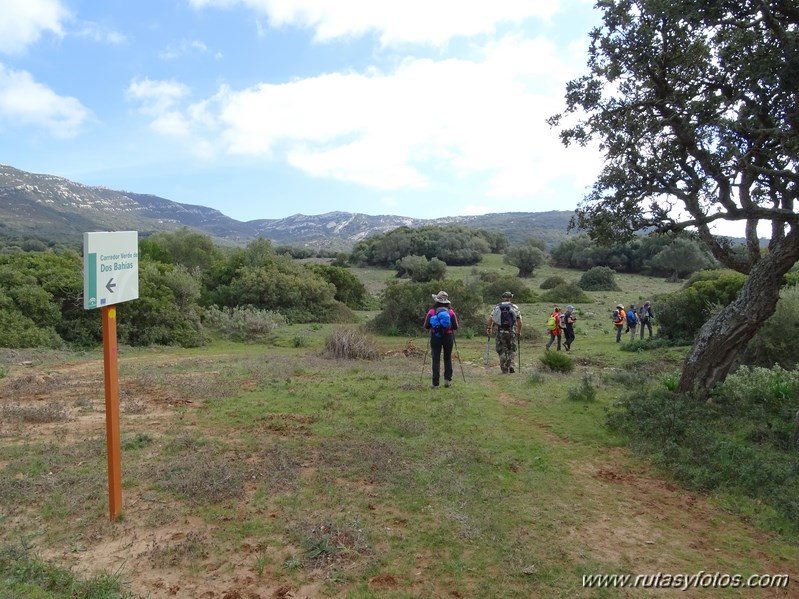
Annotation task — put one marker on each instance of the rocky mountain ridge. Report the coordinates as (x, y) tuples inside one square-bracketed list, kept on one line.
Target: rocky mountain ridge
[(54, 208)]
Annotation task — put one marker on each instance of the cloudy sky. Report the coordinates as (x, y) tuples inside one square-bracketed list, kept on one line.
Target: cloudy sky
[(268, 108)]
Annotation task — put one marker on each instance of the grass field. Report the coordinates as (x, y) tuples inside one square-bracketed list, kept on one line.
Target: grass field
[(272, 471)]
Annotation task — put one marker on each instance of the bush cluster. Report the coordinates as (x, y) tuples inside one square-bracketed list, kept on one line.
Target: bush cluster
[(599, 278), (566, 293), (455, 245), (741, 442), (351, 344), (552, 282), (557, 361), (681, 314), (405, 306), (243, 323), (775, 342), (655, 255), (493, 285)]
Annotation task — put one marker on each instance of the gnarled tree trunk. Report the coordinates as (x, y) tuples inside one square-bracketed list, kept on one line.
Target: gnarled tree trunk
[(728, 332)]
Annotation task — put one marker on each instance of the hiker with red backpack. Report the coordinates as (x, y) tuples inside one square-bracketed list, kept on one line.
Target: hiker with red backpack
[(442, 322), (507, 318)]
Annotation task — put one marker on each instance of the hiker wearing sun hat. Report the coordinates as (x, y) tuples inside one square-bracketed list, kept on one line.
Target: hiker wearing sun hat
[(441, 321), (619, 319), (507, 317)]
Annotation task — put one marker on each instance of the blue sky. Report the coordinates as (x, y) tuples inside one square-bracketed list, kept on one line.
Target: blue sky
[(268, 108)]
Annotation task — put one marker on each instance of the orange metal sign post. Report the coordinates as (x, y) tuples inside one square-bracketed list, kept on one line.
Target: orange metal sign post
[(111, 372)]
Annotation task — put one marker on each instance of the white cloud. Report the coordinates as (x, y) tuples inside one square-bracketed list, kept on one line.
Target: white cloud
[(156, 97), (100, 33), (22, 22), (185, 47), (409, 21), (23, 101), (386, 130), (400, 129), (161, 100)]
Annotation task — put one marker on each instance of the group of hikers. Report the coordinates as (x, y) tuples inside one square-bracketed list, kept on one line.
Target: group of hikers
[(505, 322), (632, 319)]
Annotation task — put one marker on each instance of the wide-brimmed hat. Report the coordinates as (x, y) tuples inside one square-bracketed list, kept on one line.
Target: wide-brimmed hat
[(570, 307), (620, 307), (507, 294), (442, 297)]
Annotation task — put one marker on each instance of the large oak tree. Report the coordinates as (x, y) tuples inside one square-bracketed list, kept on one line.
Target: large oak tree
[(695, 106)]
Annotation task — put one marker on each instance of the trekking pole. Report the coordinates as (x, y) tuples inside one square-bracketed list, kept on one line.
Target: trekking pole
[(488, 349), (459, 356), (424, 361), (519, 348)]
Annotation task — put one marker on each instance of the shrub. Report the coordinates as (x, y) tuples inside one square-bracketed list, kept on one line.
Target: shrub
[(243, 323), (203, 477), (565, 294), (156, 318), (644, 344), (22, 569), (681, 314), (351, 344), (552, 282), (765, 399), (405, 306), (557, 361), (599, 278), (775, 343), (53, 411), (585, 391), (492, 290), (526, 257), (350, 291), (711, 446)]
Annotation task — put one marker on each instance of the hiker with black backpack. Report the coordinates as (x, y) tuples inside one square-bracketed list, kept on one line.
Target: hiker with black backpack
[(567, 320), (442, 322), (507, 318), (645, 317)]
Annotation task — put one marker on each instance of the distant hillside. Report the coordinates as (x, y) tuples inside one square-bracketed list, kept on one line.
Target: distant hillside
[(54, 208)]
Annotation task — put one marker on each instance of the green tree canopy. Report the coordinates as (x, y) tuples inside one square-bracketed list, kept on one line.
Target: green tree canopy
[(696, 109), (455, 245), (526, 257), (188, 248)]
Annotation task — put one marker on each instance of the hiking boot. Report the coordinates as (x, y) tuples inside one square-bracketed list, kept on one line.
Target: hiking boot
[(448, 383), (511, 370), (434, 386)]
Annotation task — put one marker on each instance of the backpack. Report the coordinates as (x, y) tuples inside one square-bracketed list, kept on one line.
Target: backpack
[(616, 316), (632, 319), (552, 323), (507, 319), (644, 315), (440, 322)]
